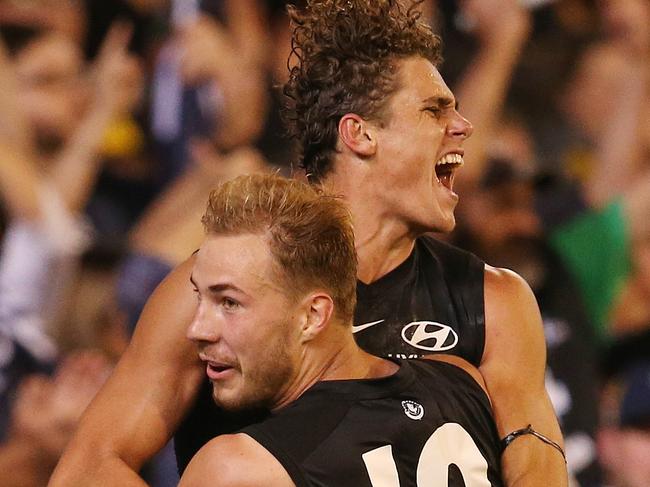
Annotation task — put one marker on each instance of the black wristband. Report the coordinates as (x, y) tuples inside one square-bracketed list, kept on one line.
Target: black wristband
[(528, 430)]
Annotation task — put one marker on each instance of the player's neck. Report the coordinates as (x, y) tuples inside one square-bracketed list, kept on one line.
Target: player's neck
[(340, 359), (383, 241), (351, 362), (377, 255)]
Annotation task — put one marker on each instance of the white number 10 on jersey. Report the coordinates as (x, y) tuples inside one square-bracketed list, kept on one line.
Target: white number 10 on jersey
[(449, 444)]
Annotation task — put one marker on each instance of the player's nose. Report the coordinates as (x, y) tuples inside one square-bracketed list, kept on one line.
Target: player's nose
[(203, 328), (460, 127)]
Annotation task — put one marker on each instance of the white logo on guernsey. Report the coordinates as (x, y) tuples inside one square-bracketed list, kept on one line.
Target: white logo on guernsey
[(430, 335), (358, 328), (413, 410)]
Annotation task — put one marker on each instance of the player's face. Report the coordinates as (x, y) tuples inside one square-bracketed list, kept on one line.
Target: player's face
[(419, 147), (245, 327)]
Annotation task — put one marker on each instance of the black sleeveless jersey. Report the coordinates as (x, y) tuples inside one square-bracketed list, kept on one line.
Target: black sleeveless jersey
[(432, 302), (429, 424)]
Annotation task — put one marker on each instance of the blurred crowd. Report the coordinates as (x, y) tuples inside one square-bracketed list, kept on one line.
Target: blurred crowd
[(118, 117)]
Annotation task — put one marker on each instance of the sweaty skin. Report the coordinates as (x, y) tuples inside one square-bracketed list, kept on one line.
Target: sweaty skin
[(391, 204)]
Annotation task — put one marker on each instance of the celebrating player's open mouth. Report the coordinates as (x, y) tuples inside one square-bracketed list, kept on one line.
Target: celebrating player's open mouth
[(446, 168)]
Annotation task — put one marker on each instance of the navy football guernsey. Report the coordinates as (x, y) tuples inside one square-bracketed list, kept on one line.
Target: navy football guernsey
[(430, 424), (431, 303)]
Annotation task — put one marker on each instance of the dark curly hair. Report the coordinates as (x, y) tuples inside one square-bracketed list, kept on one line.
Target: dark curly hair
[(344, 55)]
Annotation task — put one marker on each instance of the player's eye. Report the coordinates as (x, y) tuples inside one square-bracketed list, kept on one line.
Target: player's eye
[(229, 304), (197, 293)]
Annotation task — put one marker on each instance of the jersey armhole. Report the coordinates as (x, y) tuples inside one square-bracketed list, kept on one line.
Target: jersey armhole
[(461, 364), (466, 272), (449, 361), (293, 469)]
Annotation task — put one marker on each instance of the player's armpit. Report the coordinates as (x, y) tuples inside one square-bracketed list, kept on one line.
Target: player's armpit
[(513, 367), (140, 406), (235, 461)]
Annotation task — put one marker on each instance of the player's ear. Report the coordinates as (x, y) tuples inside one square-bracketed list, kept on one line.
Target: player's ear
[(357, 135), (319, 309)]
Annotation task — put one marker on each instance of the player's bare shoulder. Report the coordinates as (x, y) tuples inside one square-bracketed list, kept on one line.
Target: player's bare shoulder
[(512, 316), (235, 461), (504, 285)]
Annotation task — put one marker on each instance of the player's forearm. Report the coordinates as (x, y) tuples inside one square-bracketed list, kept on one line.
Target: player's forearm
[(534, 458), (530, 461), (80, 471), (170, 208), (121, 429), (527, 462)]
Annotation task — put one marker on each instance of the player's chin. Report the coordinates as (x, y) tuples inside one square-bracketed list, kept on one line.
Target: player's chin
[(441, 221), (441, 215), (231, 403), (448, 223), (239, 399), (228, 398)]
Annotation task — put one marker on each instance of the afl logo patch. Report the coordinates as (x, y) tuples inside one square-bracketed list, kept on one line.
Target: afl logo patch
[(430, 336), (413, 410)]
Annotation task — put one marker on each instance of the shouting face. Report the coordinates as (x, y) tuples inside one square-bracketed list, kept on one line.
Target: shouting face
[(419, 148)]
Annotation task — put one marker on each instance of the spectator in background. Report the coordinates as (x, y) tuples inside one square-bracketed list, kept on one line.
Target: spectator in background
[(607, 104), (624, 438), (50, 139), (209, 68), (63, 16), (44, 416)]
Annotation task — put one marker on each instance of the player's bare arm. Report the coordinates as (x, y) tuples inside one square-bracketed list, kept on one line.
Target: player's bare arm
[(513, 367), (234, 461), (139, 408)]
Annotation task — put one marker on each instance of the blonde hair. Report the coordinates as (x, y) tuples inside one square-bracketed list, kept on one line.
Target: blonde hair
[(309, 233)]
